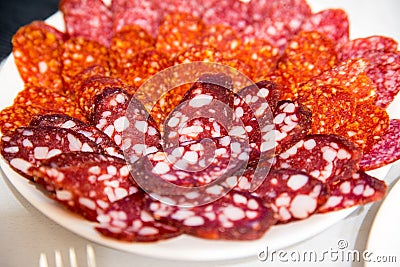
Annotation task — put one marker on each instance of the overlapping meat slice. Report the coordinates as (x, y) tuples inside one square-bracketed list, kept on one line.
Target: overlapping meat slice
[(235, 216), (27, 147)]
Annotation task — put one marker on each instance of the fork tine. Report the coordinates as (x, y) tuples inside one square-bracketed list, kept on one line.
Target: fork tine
[(72, 257), (58, 259), (43, 260), (90, 257)]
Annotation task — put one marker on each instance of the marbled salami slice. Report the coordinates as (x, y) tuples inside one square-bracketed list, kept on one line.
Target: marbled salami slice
[(385, 151), (384, 71), (127, 220), (334, 23), (358, 47), (327, 158), (27, 147), (236, 216), (292, 194), (37, 52), (89, 188), (292, 122), (194, 7), (146, 13), (91, 20), (358, 189), (91, 132), (125, 120)]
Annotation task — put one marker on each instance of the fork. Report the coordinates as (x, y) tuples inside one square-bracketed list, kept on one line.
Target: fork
[(90, 258)]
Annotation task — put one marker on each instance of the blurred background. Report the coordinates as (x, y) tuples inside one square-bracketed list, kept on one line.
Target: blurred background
[(15, 13)]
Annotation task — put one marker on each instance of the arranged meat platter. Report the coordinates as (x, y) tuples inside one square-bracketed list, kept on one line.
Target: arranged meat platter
[(90, 139)]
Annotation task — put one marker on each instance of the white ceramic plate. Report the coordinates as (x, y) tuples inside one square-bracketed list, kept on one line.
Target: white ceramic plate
[(183, 247), (384, 238)]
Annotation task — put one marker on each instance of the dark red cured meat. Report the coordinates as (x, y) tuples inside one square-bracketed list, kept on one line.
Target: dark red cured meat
[(334, 23), (227, 12), (127, 220), (236, 216), (327, 158), (277, 21), (89, 188), (385, 151), (91, 132), (125, 120), (292, 122), (27, 147), (384, 71), (358, 189), (358, 47), (37, 51), (292, 194), (146, 13), (90, 19), (194, 163)]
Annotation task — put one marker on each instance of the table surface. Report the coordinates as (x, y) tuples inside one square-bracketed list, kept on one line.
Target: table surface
[(25, 232)]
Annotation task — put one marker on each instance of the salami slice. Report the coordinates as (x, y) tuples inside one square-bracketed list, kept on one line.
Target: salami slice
[(334, 23), (358, 47), (91, 132), (91, 20), (88, 189), (177, 32), (385, 151), (199, 53), (292, 122), (292, 195), (236, 216), (37, 53), (307, 55), (222, 37), (127, 220), (80, 54), (47, 99), (358, 189), (126, 43), (350, 75), (27, 147), (146, 14), (125, 120), (327, 158), (384, 71)]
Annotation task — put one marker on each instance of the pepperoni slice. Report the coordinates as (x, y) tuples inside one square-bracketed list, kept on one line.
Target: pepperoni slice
[(91, 20), (385, 151), (37, 51), (350, 75), (126, 43), (384, 71), (307, 55), (125, 120), (199, 53), (358, 47), (91, 132), (334, 23), (358, 189), (127, 220), (88, 188), (27, 147), (222, 37), (80, 54), (292, 194), (49, 100), (236, 216), (142, 66), (146, 14), (325, 157), (178, 32)]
